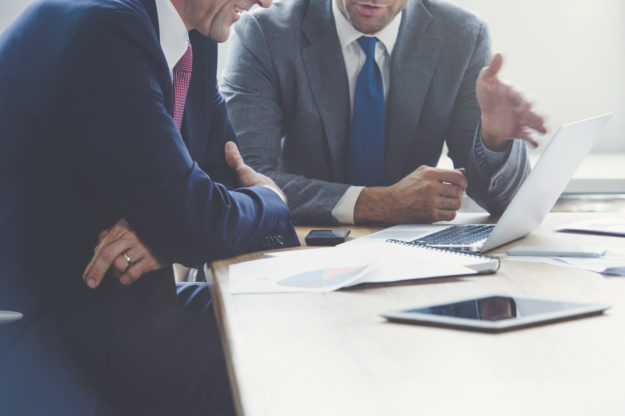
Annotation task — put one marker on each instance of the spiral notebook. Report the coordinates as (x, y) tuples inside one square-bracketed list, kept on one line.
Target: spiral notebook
[(333, 268), (397, 260)]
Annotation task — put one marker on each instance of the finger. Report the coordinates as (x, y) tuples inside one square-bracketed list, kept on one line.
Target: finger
[(138, 269), (247, 176), (453, 177), (445, 215), (529, 118), (133, 274), (536, 122), (523, 107), (102, 261), (448, 203), (526, 135), (117, 231), (136, 253), (449, 191), (233, 156), (119, 266), (493, 68), (517, 100), (103, 234)]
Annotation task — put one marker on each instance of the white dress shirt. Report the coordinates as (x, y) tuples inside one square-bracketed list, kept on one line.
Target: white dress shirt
[(173, 33), (354, 58), (175, 41)]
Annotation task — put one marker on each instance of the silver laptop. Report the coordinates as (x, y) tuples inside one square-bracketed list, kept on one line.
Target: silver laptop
[(535, 197)]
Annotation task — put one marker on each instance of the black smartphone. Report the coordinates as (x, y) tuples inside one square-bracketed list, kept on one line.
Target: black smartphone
[(326, 237)]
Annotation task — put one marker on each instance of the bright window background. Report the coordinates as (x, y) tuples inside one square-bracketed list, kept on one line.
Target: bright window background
[(9, 9), (568, 54)]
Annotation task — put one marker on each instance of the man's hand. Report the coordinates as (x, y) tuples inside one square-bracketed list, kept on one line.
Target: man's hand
[(120, 250), (247, 175), (426, 195), (506, 113)]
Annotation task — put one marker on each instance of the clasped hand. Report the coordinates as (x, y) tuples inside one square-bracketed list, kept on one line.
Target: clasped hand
[(424, 196), (121, 251)]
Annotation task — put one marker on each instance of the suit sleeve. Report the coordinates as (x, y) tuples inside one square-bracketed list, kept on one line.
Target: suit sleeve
[(491, 184), (200, 117), (214, 161), (110, 117), (253, 93)]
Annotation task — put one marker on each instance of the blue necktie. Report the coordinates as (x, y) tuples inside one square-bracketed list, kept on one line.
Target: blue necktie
[(365, 149)]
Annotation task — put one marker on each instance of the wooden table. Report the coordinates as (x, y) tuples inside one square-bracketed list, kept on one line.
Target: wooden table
[(332, 354)]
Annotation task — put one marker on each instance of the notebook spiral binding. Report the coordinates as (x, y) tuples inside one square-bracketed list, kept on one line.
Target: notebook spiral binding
[(446, 250)]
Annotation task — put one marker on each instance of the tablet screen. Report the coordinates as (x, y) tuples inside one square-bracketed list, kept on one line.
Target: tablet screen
[(494, 312), (492, 308)]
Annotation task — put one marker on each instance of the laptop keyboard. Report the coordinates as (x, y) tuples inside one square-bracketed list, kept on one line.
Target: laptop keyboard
[(457, 235)]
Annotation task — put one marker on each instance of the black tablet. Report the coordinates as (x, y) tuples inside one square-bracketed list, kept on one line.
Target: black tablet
[(494, 313)]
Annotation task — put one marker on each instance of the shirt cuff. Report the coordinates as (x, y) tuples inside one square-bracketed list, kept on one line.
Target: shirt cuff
[(494, 158), (276, 191), (343, 211)]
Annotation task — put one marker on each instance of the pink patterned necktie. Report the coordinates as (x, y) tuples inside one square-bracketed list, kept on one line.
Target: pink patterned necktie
[(182, 77)]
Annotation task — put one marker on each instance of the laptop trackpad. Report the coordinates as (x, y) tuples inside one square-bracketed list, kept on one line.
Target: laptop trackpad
[(403, 232)]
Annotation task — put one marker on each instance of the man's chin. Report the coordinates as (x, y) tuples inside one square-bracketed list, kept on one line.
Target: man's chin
[(368, 26), (220, 35)]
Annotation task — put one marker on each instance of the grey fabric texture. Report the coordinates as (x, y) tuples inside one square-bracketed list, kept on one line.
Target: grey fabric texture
[(287, 92)]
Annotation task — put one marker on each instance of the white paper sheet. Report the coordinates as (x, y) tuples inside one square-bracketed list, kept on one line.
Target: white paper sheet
[(609, 225), (611, 263), (327, 269)]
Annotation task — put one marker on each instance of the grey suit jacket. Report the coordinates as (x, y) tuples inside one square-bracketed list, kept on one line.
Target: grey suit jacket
[(287, 93)]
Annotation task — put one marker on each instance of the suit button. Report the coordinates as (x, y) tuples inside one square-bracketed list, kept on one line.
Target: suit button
[(264, 243)]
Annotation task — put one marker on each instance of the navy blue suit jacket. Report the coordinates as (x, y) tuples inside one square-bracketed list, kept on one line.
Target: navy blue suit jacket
[(87, 138)]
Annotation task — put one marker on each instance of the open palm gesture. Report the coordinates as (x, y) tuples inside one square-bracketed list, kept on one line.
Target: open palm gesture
[(506, 113)]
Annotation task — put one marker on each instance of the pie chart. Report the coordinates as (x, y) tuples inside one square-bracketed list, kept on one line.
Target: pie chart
[(320, 278)]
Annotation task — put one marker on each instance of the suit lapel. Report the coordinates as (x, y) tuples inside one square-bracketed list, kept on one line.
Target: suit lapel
[(412, 67), (150, 8), (325, 67), (195, 122), (168, 92), (196, 119)]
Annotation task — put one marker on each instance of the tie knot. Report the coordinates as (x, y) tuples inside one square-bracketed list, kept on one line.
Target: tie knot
[(367, 43), (186, 62)]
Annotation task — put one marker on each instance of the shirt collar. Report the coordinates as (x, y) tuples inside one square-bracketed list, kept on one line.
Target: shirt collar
[(173, 32), (348, 34)]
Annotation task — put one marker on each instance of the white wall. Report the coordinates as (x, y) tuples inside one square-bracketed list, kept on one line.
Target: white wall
[(9, 9), (569, 54)]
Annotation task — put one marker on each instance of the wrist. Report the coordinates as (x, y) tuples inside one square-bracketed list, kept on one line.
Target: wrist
[(277, 191), (372, 205), (491, 141)]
